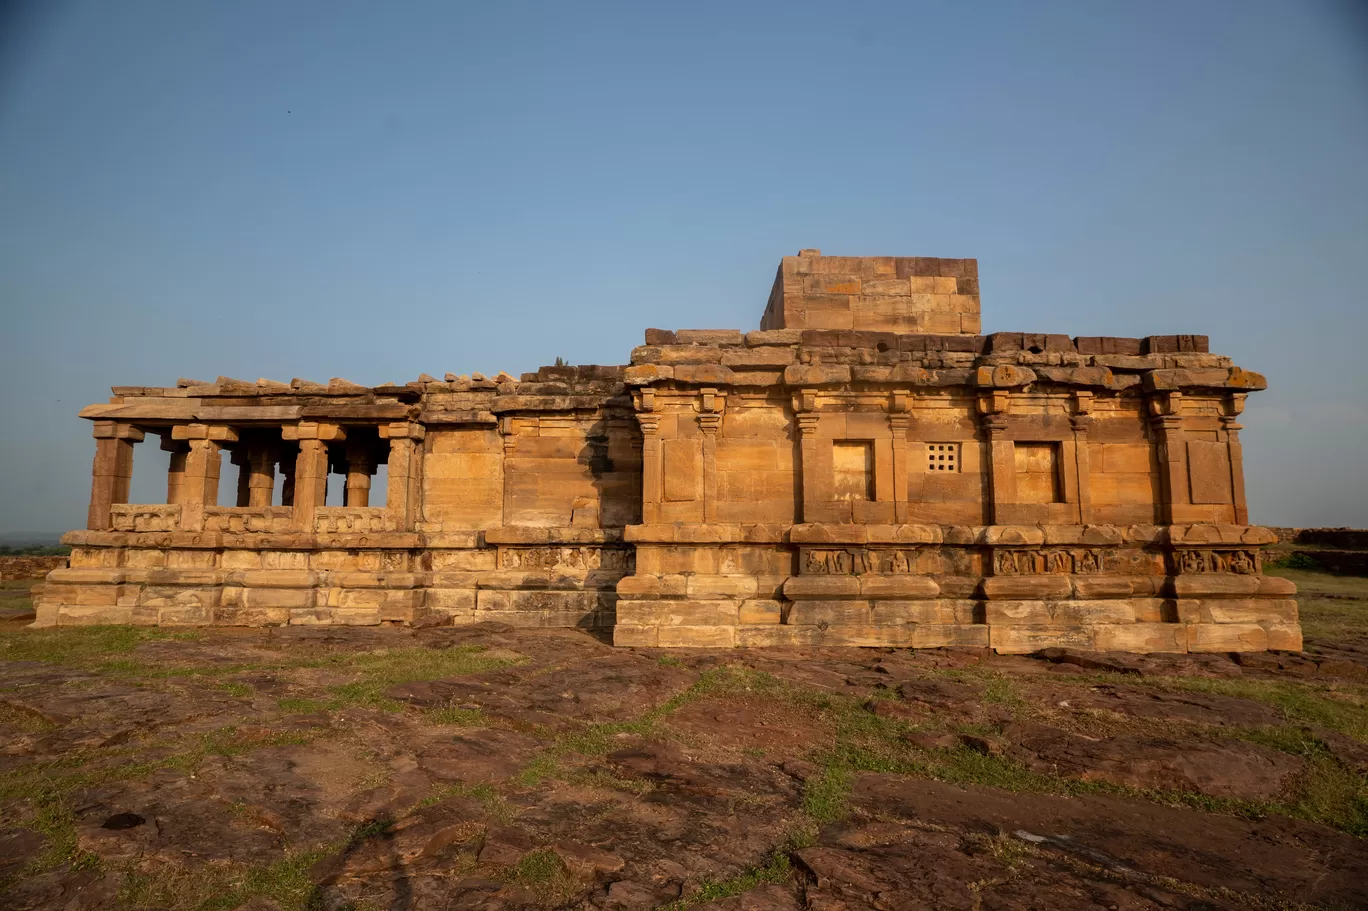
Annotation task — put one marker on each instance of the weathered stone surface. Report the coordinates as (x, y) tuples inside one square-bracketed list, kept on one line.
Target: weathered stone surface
[(867, 444)]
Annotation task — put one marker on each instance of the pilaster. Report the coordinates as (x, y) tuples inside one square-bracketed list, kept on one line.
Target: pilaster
[(808, 423), (650, 468), (711, 404), (898, 419), (1001, 455), (1231, 428), (1166, 422), (405, 471)]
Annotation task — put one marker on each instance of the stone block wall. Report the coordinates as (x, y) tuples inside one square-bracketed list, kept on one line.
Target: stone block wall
[(875, 293), (22, 567), (857, 472)]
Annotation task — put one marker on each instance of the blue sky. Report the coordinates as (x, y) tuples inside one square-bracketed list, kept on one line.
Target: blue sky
[(377, 190)]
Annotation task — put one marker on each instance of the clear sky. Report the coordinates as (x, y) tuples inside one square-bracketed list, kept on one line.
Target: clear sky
[(376, 190)]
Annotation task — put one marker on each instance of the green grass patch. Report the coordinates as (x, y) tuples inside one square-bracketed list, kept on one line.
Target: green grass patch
[(1339, 707), (287, 882), (81, 646), (235, 689), (485, 794), (1002, 690), (454, 715), (1320, 583), (542, 873), (1324, 620), (826, 796)]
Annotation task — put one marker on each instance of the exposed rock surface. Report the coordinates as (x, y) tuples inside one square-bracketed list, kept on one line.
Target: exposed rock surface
[(550, 770)]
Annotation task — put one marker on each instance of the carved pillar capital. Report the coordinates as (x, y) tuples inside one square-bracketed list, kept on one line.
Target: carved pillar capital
[(1166, 404), (711, 401), (314, 430), (113, 430), (807, 425), (218, 433), (650, 424), (995, 425), (402, 430), (999, 401), (710, 423)]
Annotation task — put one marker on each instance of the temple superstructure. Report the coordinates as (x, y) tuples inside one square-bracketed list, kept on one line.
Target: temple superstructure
[(866, 469)]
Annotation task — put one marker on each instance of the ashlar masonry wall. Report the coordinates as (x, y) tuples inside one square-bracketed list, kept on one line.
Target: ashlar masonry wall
[(867, 469)]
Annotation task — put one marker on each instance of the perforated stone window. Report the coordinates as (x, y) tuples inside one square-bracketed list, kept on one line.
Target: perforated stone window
[(942, 456)]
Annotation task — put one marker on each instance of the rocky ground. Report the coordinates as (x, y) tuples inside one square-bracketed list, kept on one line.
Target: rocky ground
[(488, 768)]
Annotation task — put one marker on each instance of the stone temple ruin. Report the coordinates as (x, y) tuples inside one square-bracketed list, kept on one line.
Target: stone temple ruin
[(866, 470)]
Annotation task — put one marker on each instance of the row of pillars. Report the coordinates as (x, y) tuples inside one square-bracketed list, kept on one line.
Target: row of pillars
[(196, 460)]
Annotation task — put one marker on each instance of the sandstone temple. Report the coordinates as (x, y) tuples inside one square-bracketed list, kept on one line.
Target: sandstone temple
[(867, 469)]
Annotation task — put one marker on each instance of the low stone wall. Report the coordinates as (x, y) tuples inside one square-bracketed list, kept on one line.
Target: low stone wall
[(1344, 538), (1340, 562), (1342, 551), (12, 568)]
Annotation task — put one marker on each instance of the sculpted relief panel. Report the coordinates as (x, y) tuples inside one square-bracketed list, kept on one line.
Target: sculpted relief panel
[(855, 561), (1243, 562), (568, 559), (1034, 562)]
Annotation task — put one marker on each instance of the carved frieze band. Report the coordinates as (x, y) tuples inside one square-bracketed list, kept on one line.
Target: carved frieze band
[(855, 561), (1035, 562), (568, 558), (1243, 562)]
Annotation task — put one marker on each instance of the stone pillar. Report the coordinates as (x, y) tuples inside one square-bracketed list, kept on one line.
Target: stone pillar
[(288, 464), (359, 469), (1167, 424), (244, 479), (202, 466), (1001, 457), (311, 467), (812, 484), (261, 477), (651, 487), (897, 425), (175, 472), (112, 469), (405, 472), (1231, 428)]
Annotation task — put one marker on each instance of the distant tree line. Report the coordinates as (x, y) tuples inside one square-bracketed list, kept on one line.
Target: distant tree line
[(35, 550)]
